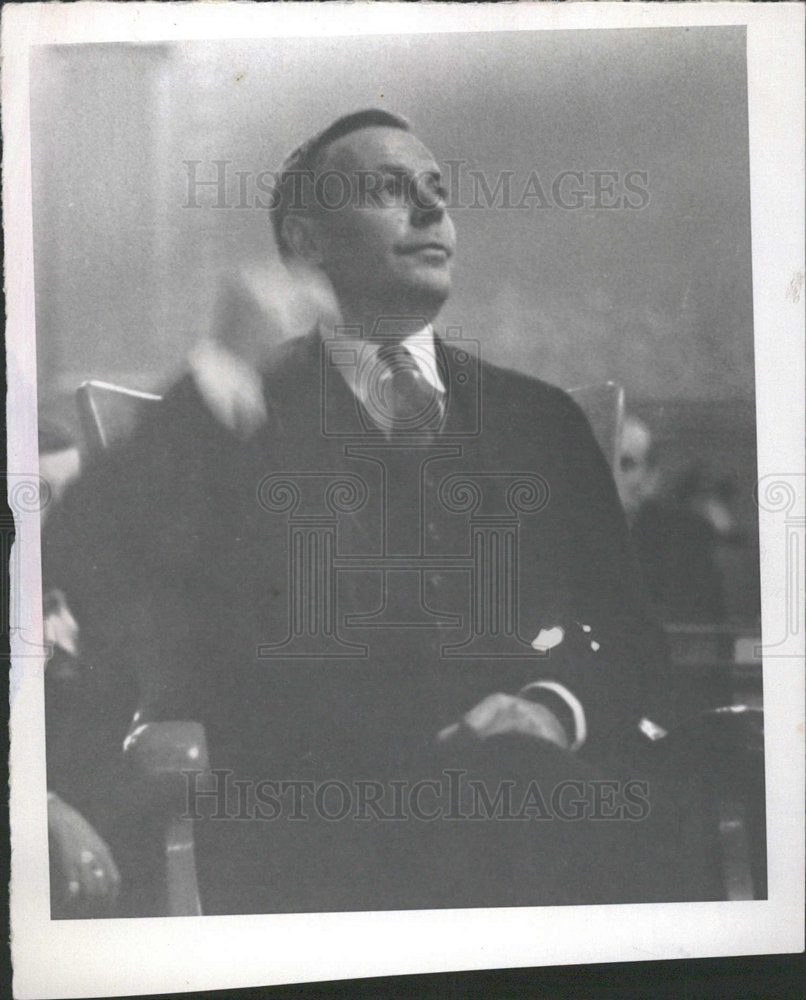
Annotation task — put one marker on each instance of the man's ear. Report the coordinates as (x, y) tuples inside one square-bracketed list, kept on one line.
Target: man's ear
[(299, 233)]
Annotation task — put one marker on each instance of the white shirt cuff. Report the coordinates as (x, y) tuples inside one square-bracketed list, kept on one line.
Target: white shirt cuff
[(574, 704)]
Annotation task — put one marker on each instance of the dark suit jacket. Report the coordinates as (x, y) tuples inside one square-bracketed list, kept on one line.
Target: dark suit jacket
[(174, 552)]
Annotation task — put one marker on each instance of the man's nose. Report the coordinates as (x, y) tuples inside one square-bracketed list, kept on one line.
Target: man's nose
[(427, 202)]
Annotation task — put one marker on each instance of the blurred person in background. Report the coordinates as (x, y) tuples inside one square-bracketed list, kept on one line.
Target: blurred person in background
[(715, 498), (675, 541)]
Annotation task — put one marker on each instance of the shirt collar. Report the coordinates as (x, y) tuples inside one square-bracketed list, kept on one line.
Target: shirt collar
[(419, 344)]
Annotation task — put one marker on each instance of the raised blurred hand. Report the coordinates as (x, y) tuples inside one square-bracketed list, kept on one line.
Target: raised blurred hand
[(256, 309)]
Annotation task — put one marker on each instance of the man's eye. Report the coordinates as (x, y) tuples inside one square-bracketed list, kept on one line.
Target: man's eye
[(393, 184)]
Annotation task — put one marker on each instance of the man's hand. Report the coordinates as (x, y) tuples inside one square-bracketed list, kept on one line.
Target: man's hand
[(89, 870), (231, 387), (500, 713), (255, 310), (59, 628)]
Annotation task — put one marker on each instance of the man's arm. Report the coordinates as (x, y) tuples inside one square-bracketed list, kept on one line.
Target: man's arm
[(614, 658), (604, 667)]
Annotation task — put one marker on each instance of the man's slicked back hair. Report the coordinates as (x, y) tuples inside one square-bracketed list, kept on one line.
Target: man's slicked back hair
[(306, 158)]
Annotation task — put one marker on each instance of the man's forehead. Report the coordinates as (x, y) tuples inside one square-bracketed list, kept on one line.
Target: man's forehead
[(635, 439), (379, 147)]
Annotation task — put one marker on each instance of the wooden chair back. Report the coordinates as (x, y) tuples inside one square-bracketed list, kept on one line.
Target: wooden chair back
[(108, 413), (603, 405)]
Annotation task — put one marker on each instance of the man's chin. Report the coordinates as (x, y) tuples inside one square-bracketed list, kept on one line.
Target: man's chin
[(426, 297)]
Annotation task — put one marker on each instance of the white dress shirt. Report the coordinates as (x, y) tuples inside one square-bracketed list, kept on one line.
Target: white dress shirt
[(359, 376)]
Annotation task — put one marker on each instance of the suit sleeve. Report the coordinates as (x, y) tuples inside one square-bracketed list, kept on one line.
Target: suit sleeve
[(618, 667)]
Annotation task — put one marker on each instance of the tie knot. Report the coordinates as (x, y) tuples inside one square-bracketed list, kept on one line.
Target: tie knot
[(403, 400)]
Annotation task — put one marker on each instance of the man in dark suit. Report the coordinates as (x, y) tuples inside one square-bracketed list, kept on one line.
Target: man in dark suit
[(401, 599)]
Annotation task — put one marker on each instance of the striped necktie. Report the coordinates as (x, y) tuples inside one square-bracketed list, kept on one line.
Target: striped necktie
[(401, 400)]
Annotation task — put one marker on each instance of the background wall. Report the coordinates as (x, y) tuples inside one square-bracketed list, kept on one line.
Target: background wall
[(658, 298)]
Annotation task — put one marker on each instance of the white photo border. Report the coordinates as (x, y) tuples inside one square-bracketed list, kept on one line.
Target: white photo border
[(115, 957)]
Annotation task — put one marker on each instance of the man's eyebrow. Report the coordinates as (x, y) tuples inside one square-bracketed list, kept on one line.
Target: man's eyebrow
[(399, 168)]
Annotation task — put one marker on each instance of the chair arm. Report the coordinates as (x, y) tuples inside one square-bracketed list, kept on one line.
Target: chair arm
[(160, 754), (727, 746), (735, 736)]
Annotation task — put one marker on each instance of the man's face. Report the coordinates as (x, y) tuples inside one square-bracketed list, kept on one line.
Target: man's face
[(391, 246), (636, 478)]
